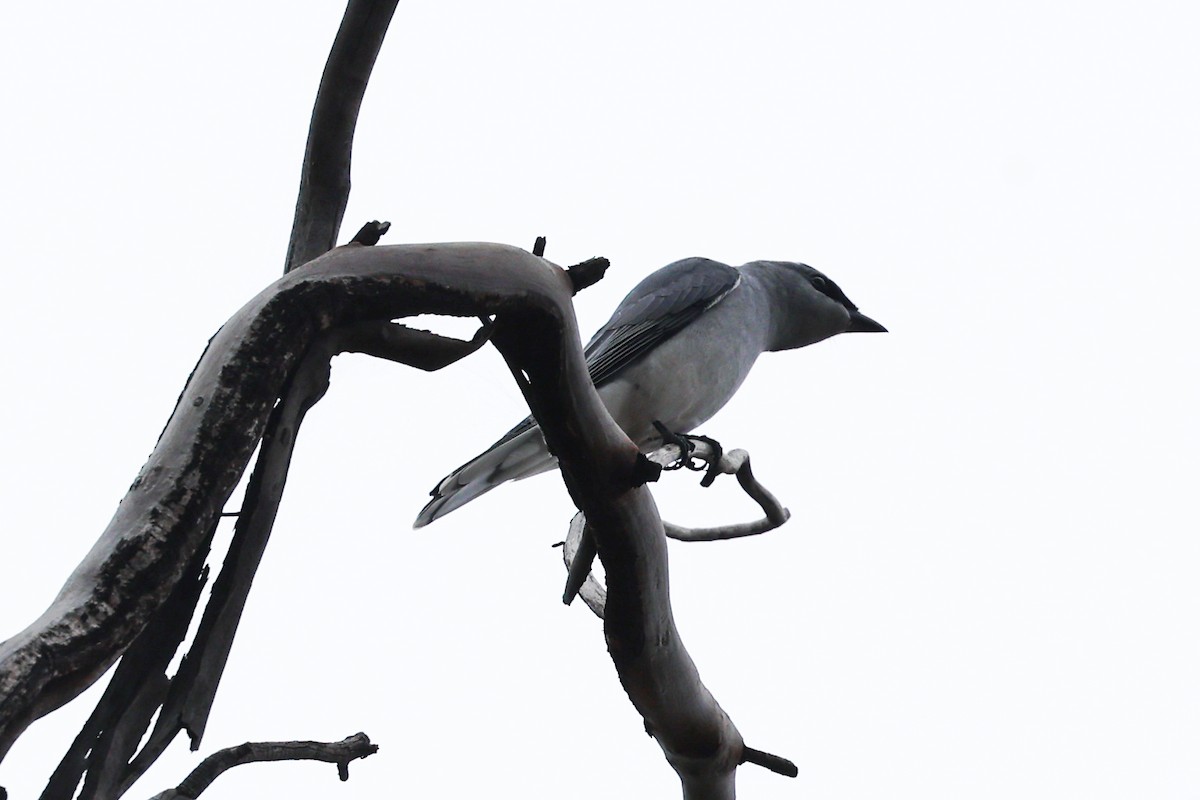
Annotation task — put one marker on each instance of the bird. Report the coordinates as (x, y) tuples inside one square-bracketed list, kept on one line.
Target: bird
[(674, 352)]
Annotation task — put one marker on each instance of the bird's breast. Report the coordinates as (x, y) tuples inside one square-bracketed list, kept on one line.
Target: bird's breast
[(682, 382)]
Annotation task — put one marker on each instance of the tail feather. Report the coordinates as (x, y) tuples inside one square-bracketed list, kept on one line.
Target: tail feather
[(522, 456)]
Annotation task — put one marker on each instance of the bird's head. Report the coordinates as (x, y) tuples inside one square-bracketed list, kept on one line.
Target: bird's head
[(807, 305)]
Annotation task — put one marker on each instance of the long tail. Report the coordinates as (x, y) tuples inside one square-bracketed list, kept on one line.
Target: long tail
[(520, 454)]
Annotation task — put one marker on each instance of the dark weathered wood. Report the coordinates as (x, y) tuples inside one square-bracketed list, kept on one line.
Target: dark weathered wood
[(340, 753), (194, 686), (321, 202), (221, 414), (598, 464), (325, 174), (111, 734), (162, 522)]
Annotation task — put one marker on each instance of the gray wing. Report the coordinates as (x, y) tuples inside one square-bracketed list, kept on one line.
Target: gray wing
[(654, 311), (657, 308)]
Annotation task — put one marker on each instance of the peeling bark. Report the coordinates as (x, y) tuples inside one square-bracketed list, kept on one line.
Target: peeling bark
[(136, 589), (218, 421), (164, 520)]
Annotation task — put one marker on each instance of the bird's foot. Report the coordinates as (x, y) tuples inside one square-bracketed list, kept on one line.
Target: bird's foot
[(713, 468), (687, 446), (669, 436)]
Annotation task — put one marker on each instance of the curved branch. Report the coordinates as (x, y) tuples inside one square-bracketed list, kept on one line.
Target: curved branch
[(578, 551), (193, 688), (220, 417), (341, 753), (598, 463), (163, 521), (325, 175), (735, 462)]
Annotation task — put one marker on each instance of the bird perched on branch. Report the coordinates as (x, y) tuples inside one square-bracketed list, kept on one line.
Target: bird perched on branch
[(674, 352)]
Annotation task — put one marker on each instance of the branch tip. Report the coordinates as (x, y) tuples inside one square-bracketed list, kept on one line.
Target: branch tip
[(585, 273), (339, 753), (777, 764), (371, 233)]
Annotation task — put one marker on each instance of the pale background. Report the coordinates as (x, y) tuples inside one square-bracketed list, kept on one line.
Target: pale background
[(989, 585)]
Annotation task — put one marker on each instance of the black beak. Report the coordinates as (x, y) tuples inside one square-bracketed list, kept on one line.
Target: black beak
[(861, 323)]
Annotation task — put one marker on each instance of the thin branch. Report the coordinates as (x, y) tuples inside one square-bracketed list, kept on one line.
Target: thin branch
[(735, 462), (325, 175), (578, 555), (370, 233), (410, 346), (777, 764), (586, 273), (341, 753)]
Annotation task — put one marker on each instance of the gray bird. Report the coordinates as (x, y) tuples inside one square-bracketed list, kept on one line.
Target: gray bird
[(675, 351)]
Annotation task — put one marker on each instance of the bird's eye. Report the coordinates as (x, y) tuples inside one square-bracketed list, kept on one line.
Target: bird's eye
[(818, 282)]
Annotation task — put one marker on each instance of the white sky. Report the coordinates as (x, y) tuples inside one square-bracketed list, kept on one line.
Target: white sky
[(989, 585)]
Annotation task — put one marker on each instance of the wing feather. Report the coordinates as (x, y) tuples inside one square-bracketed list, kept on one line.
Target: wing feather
[(654, 311), (657, 308)]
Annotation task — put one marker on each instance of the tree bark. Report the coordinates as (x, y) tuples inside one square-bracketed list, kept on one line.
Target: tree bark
[(219, 419), (325, 173), (164, 520)]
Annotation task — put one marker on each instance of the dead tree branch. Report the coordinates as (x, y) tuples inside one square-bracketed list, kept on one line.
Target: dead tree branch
[(599, 465), (166, 518), (735, 462), (105, 748), (325, 175), (579, 550), (163, 522), (259, 375), (341, 753)]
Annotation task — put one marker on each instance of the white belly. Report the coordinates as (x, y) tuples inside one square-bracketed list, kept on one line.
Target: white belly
[(683, 382)]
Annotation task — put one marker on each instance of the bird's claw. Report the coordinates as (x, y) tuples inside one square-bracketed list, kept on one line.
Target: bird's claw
[(687, 445), (713, 467), (669, 436)]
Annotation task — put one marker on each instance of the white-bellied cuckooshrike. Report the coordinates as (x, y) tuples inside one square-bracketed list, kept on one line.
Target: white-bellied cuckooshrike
[(675, 351)]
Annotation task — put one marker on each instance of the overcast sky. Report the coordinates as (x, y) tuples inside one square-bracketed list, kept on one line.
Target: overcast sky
[(988, 588)]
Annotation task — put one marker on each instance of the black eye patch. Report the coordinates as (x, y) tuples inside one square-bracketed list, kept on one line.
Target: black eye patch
[(832, 291)]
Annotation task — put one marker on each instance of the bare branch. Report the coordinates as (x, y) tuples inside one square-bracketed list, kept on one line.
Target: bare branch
[(340, 753), (778, 765), (162, 523), (325, 175), (193, 688), (415, 348), (164, 520), (735, 462), (578, 554), (111, 734), (586, 273), (370, 233), (599, 466)]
